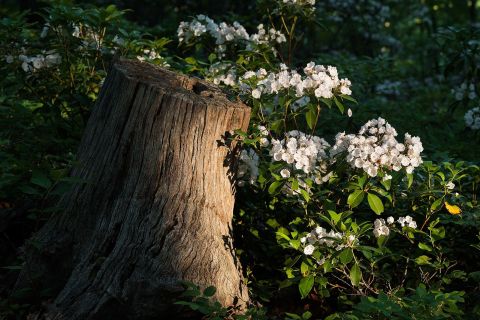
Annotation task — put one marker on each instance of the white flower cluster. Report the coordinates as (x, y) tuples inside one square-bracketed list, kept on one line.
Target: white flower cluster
[(407, 221), (472, 118), (300, 2), (89, 37), (265, 37), (224, 33), (248, 167), (302, 152), (320, 81), (220, 32), (464, 91), (320, 237), (150, 55), (45, 60), (222, 73), (382, 228), (375, 148)]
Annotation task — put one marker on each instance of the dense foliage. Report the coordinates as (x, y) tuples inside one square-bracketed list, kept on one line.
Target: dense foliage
[(357, 185)]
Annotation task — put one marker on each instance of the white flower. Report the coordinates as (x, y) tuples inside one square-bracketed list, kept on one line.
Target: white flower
[(407, 221), (9, 59), (256, 93), (380, 228), (472, 118), (450, 185), (390, 220), (264, 142), (263, 130), (45, 29), (53, 59), (308, 250), (285, 173), (387, 177), (349, 112), (27, 67)]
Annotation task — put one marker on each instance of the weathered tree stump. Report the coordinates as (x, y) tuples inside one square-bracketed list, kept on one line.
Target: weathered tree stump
[(156, 206)]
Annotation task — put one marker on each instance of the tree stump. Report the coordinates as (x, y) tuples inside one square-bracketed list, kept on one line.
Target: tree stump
[(156, 206)]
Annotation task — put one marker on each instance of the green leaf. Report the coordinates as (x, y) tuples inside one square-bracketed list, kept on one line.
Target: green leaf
[(424, 246), (306, 285), (304, 268), (191, 60), (305, 195), (436, 204), (272, 189), (283, 233), (327, 266), (339, 104), (387, 184), (355, 198), (311, 117), (273, 223), (41, 180), (13, 267), (31, 105), (212, 57), (335, 217), (209, 291), (191, 305), (355, 274), (422, 260), (441, 175), (375, 203), (295, 184), (349, 98), (292, 316), (327, 102), (410, 180), (346, 256), (295, 244), (30, 190)]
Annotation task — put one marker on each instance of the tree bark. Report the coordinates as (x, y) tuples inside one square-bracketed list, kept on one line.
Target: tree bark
[(156, 204)]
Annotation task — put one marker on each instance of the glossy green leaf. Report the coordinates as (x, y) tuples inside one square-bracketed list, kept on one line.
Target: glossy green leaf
[(272, 189), (209, 291), (355, 198), (355, 274), (311, 117), (346, 256), (375, 203), (306, 285)]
